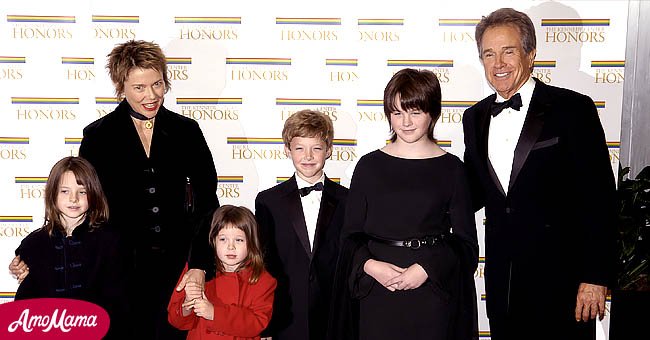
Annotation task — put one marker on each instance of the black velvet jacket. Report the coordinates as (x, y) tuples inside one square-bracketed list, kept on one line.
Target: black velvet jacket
[(89, 265), (158, 200)]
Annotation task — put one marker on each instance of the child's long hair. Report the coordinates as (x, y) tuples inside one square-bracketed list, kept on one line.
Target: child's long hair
[(85, 174), (243, 219)]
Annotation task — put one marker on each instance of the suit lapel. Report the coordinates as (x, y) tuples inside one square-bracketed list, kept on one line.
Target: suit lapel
[(482, 133), (160, 134), (328, 205), (296, 215), (495, 178), (483, 126), (530, 131), (133, 149)]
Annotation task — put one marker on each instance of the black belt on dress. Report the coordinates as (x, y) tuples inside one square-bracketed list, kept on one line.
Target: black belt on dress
[(413, 243)]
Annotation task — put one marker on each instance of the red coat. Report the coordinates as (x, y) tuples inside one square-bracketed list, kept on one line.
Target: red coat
[(241, 310)]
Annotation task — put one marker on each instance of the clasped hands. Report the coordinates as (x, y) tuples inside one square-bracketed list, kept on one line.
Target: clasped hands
[(193, 282), (196, 301), (395, 278)]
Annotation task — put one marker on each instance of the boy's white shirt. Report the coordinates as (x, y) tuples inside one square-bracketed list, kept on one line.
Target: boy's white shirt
[(310, 206)]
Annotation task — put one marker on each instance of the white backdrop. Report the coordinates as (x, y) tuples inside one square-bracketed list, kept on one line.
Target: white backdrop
[(240, 68)]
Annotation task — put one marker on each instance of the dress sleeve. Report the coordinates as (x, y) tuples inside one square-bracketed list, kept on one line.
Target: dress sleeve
[(112, 290), (92, 150), (201, 254), (249, 321), (464, 249), (88, 146), (203, 181), (463, 222), (174, 312), (355, 217)]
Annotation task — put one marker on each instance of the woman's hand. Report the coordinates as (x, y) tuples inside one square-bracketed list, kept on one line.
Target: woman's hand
[(193, 290), (192, 275), (383, 272), (411, 278)]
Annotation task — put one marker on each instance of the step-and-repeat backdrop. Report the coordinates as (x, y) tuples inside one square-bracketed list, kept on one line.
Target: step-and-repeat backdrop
[(240, 68)]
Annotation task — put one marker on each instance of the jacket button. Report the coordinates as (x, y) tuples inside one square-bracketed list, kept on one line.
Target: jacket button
[(508, 210), (155, 210), (152, 190), (156, 228)]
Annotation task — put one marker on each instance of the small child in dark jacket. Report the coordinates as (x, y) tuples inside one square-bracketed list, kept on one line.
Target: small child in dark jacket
[(75, 255)]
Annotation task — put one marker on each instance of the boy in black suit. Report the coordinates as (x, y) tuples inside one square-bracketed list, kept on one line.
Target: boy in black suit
[(300, 222)]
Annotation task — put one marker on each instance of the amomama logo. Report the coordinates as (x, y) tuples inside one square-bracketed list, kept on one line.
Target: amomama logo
[(51, 318)]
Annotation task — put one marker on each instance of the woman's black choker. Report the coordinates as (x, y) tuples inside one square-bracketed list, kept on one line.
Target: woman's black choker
[(139, 116)]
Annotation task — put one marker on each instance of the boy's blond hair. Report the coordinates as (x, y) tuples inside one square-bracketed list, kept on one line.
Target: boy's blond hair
[(308, 123)]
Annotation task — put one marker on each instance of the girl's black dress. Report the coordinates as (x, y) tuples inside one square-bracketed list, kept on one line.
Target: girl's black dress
[(400, 199)]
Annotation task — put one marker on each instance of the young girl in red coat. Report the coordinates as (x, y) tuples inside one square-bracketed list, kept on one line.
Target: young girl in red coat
[(238, 302)]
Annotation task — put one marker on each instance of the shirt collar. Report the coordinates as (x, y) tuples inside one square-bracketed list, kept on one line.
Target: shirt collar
[(525, 91), (302, 183)]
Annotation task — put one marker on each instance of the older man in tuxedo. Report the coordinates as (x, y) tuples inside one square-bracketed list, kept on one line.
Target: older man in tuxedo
[(538, 162)]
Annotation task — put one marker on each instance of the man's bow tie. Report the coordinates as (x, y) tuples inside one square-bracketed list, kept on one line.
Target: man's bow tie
[(306, 190), (514, 102)]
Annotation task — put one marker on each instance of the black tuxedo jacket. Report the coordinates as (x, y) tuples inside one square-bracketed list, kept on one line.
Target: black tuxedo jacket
[(305, 277), (555, 227)]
